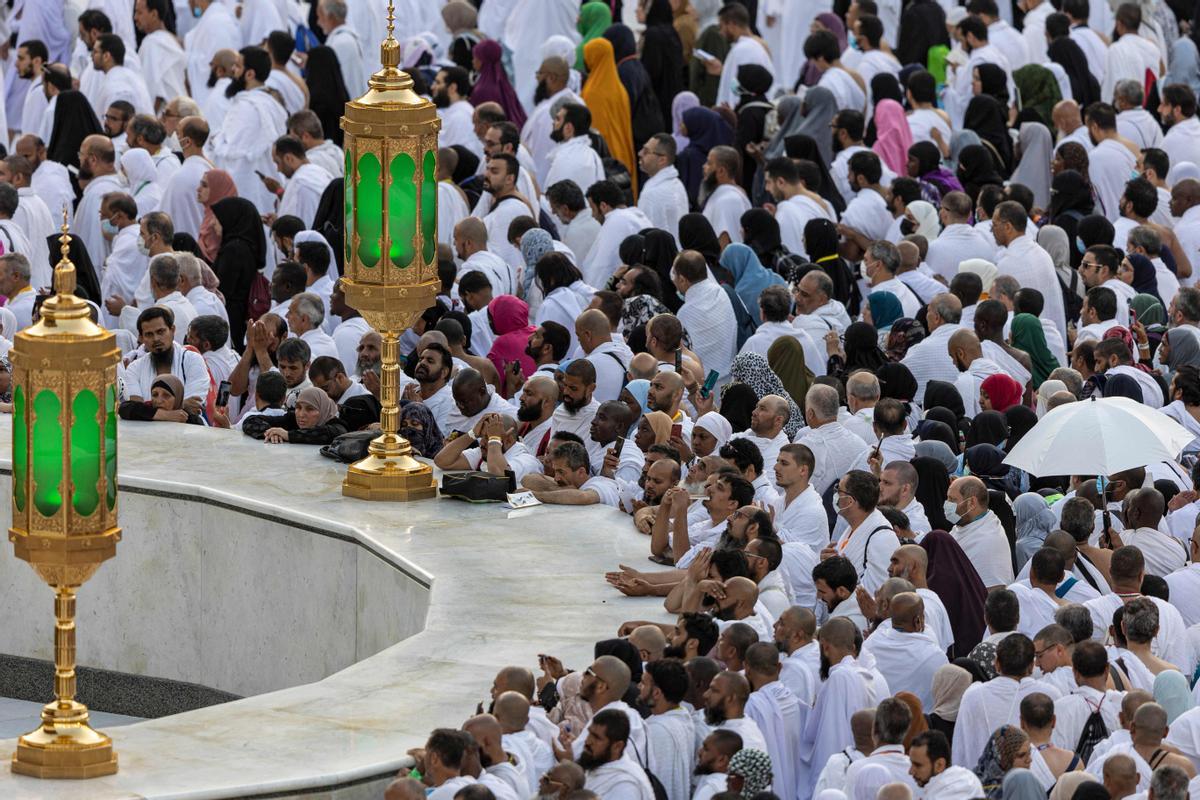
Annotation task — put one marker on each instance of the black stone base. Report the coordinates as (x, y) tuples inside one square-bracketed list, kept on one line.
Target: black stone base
[(104, 690)]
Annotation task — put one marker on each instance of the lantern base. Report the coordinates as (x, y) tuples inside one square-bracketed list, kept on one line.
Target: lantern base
[(389, 472), (65, 746)]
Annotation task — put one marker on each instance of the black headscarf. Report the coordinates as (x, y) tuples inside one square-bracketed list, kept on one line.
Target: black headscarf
[(658, 253), (989, 119), (953, 578), (696, 233), (988, 427), (326, 90), (932, 430), (631, 248), (861, 343), (977, 168), (821, 241), (1095, 229), (803, 146), (662, 55), (884, 86), (1144, 278), (933, 483), (468, 164), (645, 110), (959, 425), (1067, 54), (74, 121), (1070, 191), (1123, 386), (86, 284), (943, 394), (737, 403), (897, 382), (241, 255), (922, 26), (993, 82), (1021, 420)]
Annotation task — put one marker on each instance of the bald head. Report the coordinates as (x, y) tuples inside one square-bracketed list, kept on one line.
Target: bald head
[(99, 146), (892, 587), (798, 619), (1064, 543), (514, 679), (545, 386), (1185, 194), (969, 487), (485, 729), (964, 347), (742, 591), (1146, 507), (908, 612), (762, 662), (894, 791), (839, 632), (910, 255), (1060, 398), (862, 726), (472, 230), (914, 555), (569, 774), (1120, 772), (1149, 724), (614, 672), (642, 367), (594, 322), (1134, 699), (512, 711), (557, 68), (490, 109), (649, 639), (1066, 116), (405, 789)]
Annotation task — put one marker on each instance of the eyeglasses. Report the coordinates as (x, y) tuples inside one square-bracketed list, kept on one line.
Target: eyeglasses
[(114, 118)]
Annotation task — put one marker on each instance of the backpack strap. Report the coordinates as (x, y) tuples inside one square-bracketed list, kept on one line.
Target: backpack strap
[(1061, 591), (867, 547)]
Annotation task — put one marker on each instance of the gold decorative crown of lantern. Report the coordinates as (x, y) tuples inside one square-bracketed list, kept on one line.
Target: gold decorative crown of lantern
[(391, 144), (64, 500)]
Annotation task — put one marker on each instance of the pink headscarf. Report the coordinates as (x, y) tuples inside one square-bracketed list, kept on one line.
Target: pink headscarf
[(493, 85), (893, 136), (510, 320), (220, 185)]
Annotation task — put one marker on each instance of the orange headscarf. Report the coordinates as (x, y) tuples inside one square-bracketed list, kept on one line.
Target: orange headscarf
[(608, 101)]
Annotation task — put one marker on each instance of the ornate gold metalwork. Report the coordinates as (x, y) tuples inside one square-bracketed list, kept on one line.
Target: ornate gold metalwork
[(64, 501), (388, 122)]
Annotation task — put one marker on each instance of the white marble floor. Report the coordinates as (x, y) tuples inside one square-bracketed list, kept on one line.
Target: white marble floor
[(18, 717)]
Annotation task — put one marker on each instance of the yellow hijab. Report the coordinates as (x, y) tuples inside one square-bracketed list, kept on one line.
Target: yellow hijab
[(660, 423), (608, 101)]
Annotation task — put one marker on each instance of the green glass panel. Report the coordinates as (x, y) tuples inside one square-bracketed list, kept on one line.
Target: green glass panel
[(20, 444), (368, 210), (110, 445), (85, 452), (402, 209), (47, 453), (348, 234), (429, 207)]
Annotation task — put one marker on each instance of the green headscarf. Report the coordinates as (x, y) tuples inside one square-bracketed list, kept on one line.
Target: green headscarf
[(1149, 312), (1038, 90), (594, 19), (1027, 335), (786, 359)]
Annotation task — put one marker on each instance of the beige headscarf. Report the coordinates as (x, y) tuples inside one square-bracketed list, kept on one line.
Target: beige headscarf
[(327, 409), (949, 685), (460, 15), (986, 271), (1045, 392), (1069, 782)]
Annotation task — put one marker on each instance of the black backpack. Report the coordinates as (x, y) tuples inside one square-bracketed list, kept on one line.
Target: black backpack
[(1094, 731)]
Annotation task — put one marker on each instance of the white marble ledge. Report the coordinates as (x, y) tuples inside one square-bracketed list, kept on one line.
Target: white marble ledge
[(506, 586)]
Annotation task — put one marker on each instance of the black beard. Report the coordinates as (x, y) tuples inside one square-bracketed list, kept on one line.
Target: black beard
[(528, 413), (236, 85), (485, 760), (85, 173), (825, 667), (704, 769), (674, 651), (556, 135), (540, 93), (589, 762), (164, 359), (837, 145), (441, 99), (572, 405), (714, 716), (212, 78), (781, 647), (652, 501)]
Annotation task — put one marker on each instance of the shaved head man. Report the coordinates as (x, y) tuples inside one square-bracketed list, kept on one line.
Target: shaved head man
[(604, 684), (978, 531)]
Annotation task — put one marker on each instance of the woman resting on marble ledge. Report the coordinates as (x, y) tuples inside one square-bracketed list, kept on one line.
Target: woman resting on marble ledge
[(165, 404), (314, 421)]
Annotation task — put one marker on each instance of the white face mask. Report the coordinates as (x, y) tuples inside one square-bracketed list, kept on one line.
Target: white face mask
[(950, 510), (141, 245)]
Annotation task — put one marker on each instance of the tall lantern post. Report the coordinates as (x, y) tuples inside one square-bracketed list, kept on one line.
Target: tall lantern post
[(391, 144), (64, 501)]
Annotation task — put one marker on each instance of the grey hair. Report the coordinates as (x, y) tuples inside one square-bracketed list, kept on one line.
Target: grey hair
[(863, 385), (776, 303), (164, 271), (823, 281), (8, 200), (311, 306), (1128, 91), (1078, 518), (1070, 377), (1141, 620), (1169, 783), (823, 401), (189, 268), (335, 8), (1147, 238), (187, 106), (948, 307), (19, 264), (1006, 285), (887, 254)]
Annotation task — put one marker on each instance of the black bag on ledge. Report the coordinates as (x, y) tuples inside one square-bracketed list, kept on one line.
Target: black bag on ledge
[(478, 487)]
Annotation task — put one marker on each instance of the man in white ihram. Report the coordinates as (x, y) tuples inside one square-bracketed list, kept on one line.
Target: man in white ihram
[(727, 199), (663, 198), (217, 28), (617, 222)]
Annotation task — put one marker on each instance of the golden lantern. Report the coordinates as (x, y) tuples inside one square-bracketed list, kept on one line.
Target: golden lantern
[(391, 144), (64, 500)]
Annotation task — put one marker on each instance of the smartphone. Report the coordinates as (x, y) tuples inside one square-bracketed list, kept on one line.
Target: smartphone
[(679, 361), (619, 446), (709, 383), (703, 55), (260, 175), (223, 393), (677, 431)]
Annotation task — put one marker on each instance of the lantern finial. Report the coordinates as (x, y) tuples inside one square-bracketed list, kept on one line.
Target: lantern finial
[(64, 271)]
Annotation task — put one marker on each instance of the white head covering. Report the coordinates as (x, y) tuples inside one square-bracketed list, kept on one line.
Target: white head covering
[(314, 236), (928, 224), (8, 322), (1045, 392), (717, 425), (1182, 170), (830, 794), (985, 269), (138, 168), (562, 47)]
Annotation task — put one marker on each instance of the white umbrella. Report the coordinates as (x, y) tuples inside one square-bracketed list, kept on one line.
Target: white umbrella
[(1098, 437)]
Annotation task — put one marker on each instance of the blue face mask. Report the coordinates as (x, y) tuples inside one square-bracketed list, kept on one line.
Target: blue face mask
[(1079, 245), (197, 13), (108, 228)]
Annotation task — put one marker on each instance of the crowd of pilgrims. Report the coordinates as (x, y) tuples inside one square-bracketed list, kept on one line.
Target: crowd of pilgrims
[(781, 283)]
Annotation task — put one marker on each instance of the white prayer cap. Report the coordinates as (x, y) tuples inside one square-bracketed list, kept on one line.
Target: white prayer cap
[(956, 15), (1182, 171), (718, 426), (559, 46), (985, 269)]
